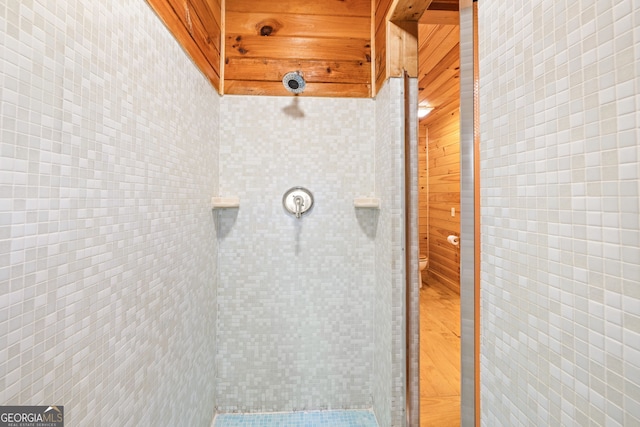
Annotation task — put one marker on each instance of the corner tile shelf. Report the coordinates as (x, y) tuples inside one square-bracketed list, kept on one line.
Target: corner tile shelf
[(225, 202), (366, 202)]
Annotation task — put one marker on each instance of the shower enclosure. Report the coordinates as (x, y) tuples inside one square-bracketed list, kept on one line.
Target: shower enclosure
[(310, 310)]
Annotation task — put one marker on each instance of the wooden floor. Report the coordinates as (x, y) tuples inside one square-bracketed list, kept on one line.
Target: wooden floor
[(439, 355)]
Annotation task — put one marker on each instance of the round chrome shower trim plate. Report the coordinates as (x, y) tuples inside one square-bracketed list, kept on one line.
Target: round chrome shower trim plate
[(297, 201)]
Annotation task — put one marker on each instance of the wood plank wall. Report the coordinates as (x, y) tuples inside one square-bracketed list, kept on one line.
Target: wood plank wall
[(423, 192), (328, 41), (439, 136), (380, 42), (197, 25), (442, 164)]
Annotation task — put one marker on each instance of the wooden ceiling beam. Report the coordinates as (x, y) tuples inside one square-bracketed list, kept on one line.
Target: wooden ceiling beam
[(408, 10), (402, 48), (402, 36)]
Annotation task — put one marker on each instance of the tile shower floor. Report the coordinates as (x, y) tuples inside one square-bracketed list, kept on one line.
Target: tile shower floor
[(298, 419)]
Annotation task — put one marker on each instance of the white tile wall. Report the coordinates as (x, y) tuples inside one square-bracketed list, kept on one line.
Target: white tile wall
[(559, 90), (109, 251), (108, 155), (389, 367), (382, 305), (295, 296)]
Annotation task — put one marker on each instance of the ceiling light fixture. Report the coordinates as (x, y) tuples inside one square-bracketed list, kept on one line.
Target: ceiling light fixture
[(423, 111)]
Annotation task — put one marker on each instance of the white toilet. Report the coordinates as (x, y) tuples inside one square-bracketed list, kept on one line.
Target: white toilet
[(423, 264)]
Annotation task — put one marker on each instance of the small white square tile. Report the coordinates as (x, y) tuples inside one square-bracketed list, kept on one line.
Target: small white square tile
[(97, 173), (589, 174)]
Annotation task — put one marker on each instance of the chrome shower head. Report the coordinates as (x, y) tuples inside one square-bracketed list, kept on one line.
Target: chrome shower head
[(294, 82)]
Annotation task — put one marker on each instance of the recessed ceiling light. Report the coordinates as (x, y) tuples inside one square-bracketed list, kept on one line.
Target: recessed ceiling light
[(423, 111)]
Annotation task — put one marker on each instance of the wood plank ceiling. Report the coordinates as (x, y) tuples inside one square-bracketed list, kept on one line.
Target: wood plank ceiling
[(328, 42), (439, 59), (250, 45)]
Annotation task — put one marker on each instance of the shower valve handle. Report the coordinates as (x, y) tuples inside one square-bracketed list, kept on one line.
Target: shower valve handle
[(299, 204), (297, 201)]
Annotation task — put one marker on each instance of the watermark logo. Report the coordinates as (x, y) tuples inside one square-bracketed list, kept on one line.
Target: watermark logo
[(31, 416)]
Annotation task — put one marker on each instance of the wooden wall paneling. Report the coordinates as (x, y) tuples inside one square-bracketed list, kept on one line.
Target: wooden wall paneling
[(449, 182), (188, 17), (441, 220), (215, 6), (444, 154), (186, 21), (440, 161), (443, 162), (440, 229), (443, 158), (443, 149), (207, 23), (443, 215), (423, 192), (444, 144), (223, 31), (446, 265), (451, 168), (380, 12), (446, 198), (382, 8), (380, 61), (209, 44), (442, 130), (444, 257), (437, 186)]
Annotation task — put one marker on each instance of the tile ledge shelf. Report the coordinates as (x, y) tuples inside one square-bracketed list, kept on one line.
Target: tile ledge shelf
[(366, 202), (225, 202)]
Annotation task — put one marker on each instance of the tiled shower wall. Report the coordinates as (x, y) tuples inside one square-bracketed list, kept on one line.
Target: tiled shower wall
[(382, 302), (295, 296), (107, 243), (389, 389), (559, 90)]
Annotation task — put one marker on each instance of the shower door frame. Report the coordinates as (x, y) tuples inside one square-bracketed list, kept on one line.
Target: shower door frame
[(469, 217), (469, 235)]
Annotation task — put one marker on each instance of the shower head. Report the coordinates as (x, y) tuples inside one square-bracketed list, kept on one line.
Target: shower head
[(294, 82)]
